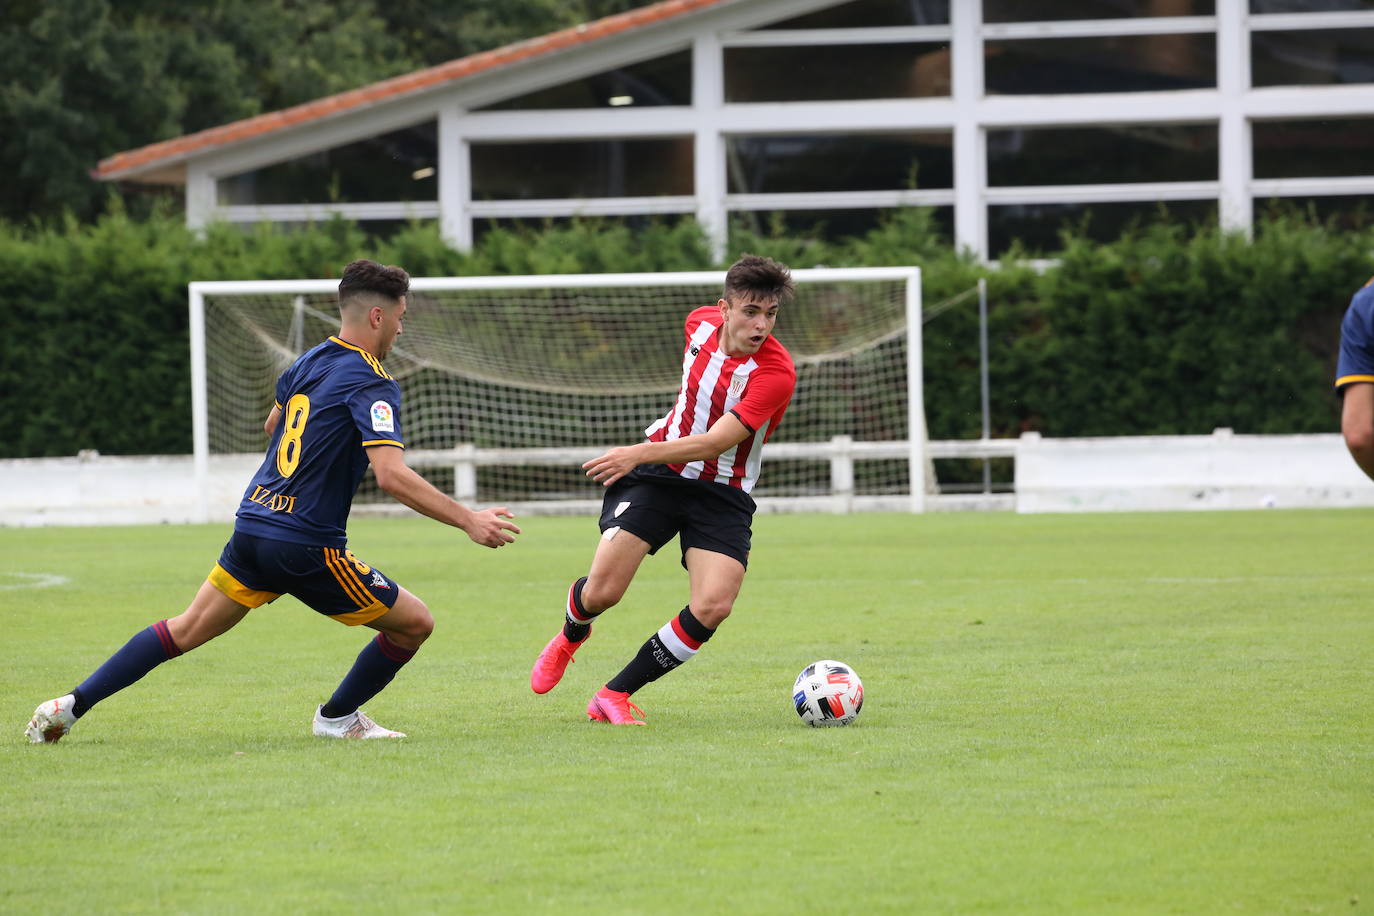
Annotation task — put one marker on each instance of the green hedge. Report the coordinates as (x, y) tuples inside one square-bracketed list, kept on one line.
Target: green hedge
[(1172, 331), (1167, 330)]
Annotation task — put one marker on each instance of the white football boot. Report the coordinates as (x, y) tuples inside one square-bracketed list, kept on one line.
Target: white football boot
[(353, 725), (51, 720)]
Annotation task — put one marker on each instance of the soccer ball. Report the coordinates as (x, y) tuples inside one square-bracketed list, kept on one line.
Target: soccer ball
[(828, 693)]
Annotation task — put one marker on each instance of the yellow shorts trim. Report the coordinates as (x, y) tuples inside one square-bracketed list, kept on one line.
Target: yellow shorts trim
[(237, 591), (369, 608), (358, 618)]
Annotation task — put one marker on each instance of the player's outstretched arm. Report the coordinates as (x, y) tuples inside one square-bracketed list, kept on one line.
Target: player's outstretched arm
[(1357, 424), (488, 527), (724, 434)]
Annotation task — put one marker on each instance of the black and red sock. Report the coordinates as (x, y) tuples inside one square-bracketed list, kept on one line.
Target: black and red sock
[(672, 646), (577, 620)]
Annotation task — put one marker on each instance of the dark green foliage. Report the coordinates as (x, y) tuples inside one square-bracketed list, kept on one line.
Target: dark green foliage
[(1167, 330), (95, 350), (1174, 331), (434, 31), (81, 80), (85, 79), (95, 346)]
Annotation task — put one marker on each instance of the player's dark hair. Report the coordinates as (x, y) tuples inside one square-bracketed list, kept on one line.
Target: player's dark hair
[(364, 278), (765, 278)]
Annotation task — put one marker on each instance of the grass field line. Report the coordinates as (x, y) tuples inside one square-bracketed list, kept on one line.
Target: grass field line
[(31, 580)]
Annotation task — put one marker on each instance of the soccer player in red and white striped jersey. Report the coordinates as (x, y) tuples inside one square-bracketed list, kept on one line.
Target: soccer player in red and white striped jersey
[(714, 384), (692, 479)]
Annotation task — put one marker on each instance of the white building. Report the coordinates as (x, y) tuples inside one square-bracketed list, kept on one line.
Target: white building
[(1008, 116)]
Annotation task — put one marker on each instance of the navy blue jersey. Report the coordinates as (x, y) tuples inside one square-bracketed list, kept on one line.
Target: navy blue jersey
[(1356, 363), (336, 401)]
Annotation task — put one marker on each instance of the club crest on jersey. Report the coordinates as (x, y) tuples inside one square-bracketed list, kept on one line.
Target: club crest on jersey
[(737, 385), (383, 421)]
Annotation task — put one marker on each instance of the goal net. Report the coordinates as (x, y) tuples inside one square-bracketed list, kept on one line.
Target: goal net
[(510, 383)]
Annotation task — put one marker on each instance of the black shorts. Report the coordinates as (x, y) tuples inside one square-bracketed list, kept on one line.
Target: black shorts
[(331, 580), (653, 503)]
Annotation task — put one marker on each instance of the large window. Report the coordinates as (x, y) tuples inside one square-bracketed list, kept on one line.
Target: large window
[(1113, 63), (811, 73), (1102, 155), (1309, 6), (661, 81), (1052, 10), (398, 166), (1312, 57), (872, 14), (582, 168), (1309, 148), (839, 162)]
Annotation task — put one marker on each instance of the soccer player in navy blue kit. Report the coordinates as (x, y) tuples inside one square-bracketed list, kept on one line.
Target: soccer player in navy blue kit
[(1355, 378), (336, 412)]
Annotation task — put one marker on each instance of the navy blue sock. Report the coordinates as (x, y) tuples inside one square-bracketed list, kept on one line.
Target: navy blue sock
[(377, 664), (148, 649)]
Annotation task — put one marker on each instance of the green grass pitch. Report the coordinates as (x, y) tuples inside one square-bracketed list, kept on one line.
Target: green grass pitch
[(1167, 713)]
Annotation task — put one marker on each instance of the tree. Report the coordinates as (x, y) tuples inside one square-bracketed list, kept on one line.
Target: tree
[(84, 79)]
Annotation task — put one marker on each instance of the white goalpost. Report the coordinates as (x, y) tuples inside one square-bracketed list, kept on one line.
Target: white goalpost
[(510, 383)]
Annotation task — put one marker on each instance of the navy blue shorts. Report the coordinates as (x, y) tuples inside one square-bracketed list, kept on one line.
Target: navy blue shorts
[(654, 504), (253, 571)]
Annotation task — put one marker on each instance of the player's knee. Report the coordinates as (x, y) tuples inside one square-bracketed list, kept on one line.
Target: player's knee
[(188, 631), (597, 596), (415, 624), (423, 624), (711, 613)]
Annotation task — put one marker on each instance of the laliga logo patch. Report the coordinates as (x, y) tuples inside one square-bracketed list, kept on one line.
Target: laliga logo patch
[(382, 419), (378, 581)]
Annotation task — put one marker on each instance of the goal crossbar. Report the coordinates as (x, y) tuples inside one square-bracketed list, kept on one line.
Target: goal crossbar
[(558, 281)]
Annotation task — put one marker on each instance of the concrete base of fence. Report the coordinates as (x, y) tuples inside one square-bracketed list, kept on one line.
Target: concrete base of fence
[(1171, 473), (1145, 473)]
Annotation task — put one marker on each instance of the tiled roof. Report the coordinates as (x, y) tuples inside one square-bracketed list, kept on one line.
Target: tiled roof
[(161, 155)]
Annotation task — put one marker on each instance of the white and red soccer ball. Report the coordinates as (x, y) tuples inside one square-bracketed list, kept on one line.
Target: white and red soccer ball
[(828, 692)]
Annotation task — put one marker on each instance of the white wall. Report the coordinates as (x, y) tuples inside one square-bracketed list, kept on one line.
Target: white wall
[(1165, 473), (1144, 473), (99, 490)]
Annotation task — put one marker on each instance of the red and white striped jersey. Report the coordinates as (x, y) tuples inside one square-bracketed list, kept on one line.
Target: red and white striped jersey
[(755, 388)]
